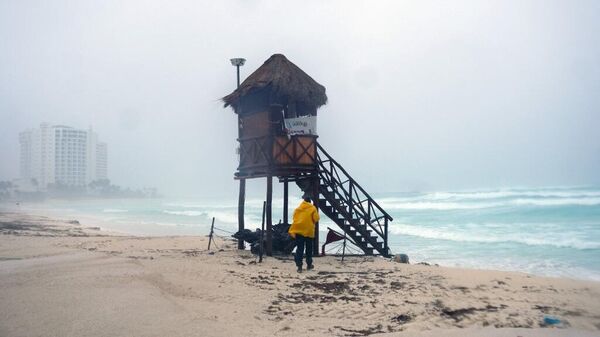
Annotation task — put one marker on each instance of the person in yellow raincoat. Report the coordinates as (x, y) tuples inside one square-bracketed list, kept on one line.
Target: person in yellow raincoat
[(303, 230)]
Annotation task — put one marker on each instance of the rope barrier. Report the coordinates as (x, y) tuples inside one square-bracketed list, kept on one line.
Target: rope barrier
[(223, 230)]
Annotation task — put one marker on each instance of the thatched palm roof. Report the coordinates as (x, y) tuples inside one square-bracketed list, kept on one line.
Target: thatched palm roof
[(283, 82)]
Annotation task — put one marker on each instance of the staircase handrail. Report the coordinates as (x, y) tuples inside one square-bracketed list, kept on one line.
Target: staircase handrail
[(332, 177), (355, 184)]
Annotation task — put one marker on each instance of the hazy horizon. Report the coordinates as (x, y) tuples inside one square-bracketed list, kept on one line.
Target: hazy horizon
[(422, 95)]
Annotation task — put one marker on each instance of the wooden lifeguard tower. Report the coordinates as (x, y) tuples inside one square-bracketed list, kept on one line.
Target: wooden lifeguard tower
[(277, 111)]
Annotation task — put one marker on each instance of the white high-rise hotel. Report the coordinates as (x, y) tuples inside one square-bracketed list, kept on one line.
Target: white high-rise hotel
[(62, 155)]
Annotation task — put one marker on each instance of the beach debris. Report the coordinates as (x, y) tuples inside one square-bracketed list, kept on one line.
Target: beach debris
[(282, 242), (38, 227), (400, 258), (297, 298), (552, 321), (402, 318), (335, 287), (458, 314), (544, 308), (191, 252), (73, 222), (363, 332), (397, 285)]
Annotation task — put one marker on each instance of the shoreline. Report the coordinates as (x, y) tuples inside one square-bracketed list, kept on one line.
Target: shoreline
[(128, 228), (63, 273)]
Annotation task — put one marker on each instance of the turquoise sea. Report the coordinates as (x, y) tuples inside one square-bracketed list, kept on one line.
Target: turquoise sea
[(545, 231)]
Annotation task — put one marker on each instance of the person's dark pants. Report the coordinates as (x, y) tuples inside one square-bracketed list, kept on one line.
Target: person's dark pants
[(302, 244)]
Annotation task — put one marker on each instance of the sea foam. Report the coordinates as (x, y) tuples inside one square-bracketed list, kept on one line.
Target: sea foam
[(453, 233), (185, 213)]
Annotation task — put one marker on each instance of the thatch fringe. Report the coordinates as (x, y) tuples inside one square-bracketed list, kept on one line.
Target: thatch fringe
[(284, 81)]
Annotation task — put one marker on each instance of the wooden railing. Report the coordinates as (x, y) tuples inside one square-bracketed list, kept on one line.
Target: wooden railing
[(278, 152)]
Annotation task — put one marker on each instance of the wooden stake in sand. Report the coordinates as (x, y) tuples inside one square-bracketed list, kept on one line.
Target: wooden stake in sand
[(212, 230)]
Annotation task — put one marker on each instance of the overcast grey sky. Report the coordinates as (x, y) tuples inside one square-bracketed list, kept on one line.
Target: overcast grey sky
[(422, 94)]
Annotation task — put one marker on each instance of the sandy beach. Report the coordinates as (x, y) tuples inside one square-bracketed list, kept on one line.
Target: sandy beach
[(63, 278)]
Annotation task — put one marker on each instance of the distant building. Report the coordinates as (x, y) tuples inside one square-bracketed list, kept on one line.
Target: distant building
[(62, 155), (101, 161)]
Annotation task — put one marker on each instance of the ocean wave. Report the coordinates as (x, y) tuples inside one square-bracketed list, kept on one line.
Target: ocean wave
[(248, 203), (510, 193), (424, 205), (407, 204), (200, 205), (223, 217), (185, 213), (564, 240), (557, 202), (170, 224), (552, 267), (114, 210)]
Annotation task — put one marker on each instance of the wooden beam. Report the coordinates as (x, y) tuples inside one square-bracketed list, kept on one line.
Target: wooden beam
[(269, 211), (241, 202), (285, 201), (385, 238), (315, 198)]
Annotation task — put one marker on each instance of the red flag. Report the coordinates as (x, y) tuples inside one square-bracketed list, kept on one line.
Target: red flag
[(332, 236)]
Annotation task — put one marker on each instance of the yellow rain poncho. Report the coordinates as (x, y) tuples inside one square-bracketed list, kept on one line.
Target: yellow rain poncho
[(305, 218)]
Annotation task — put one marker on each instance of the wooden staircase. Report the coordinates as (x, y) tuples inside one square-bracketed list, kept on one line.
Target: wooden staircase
[(345, 202)]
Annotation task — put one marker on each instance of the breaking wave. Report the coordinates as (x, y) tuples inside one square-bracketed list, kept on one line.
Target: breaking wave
[(186, 213), (224, 217), (511, 193), (424, 205), (249, 203), (412, 204), (558, 202), (559, 241)]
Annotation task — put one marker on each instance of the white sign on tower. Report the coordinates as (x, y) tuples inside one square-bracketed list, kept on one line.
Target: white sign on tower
[(305, 125)]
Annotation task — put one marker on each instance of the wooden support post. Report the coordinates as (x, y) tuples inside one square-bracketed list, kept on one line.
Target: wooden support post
[(385, 238), (241, 202), (269, 214), (285, 201), (212, 230), (315, 197), (262, 235)]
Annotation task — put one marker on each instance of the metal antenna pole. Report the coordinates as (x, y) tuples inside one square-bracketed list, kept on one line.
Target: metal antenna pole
[(238, 62)]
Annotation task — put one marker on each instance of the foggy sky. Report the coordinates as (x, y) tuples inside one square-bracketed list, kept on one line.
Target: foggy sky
[(422, 95)]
